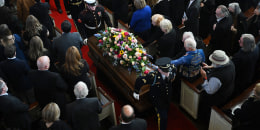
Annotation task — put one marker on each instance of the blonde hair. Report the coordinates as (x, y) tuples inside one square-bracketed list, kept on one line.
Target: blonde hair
[(166, 25), (139, 4), (33, 26), (51, 112), (157, 18)]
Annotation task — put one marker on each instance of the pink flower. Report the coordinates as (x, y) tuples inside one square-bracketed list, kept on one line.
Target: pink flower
[(118, 44), (120, 30), (146, 71), (126, 46), (139, 58), (129, 49), (126, 33), (119, 55), (100, 41)]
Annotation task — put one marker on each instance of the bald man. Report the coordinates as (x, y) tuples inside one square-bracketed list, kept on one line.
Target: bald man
[(48, 86), (248, 115), (128, 120)]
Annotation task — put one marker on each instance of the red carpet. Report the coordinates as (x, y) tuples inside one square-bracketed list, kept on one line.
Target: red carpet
[(176, 120)]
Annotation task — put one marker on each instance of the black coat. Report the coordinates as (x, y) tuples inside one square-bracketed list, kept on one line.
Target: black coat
[(245, 64), (163, 8), (62, 43), (177, 9), (41, 12), (136, 124), (192, 13), (168, 45), (248, 114), (221, 36), (74, 7), (15, 71), (49, 87), (82, 114), (14, 112), (57, 125)]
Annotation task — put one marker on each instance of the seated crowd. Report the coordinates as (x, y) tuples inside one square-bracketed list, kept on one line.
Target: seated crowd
[(37, 66)]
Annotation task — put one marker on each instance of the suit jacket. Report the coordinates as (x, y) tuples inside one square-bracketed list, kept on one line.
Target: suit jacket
[(168, 45), (163, 7), (82, 114), (15, 71), (48, 87), (248, 114), (192, 13), (62, 43), (136, 124), (14, 112), (221, 36)]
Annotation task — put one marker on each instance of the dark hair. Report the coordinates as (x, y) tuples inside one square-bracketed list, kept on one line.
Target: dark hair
[(126, 118), (9, 51), (66, 26)]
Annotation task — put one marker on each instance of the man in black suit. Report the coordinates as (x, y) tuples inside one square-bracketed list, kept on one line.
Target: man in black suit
[(248, 114), (13, 112), (221, 34), (191, 17), (128, 120), (82, 114), (15, 73), (66, 40), (48, 86)]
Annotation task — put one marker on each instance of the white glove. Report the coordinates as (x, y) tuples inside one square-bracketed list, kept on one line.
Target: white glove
[(136, 96), (69, 16), (85, 42)]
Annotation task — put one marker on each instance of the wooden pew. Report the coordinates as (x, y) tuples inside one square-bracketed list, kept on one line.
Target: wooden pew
[(108, 110), (219, 120), (190, 96)]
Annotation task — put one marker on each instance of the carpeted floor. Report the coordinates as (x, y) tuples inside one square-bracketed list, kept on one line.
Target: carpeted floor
[(176, 121)]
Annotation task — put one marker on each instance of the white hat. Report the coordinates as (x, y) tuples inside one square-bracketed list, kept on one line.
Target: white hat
[(219, 57), (2, 3), (90, 1)]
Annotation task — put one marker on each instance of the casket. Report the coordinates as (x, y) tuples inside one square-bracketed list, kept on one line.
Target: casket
[(123, 79)]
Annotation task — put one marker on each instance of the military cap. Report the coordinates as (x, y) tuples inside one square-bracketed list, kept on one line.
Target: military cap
[(164, 63), (91, 2)]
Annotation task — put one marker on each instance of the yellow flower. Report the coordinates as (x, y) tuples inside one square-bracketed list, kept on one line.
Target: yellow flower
[(114, 36), (141, 51), (129, 38), (121, 52)]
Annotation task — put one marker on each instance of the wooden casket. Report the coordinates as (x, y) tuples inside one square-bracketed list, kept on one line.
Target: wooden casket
[(123, 79)]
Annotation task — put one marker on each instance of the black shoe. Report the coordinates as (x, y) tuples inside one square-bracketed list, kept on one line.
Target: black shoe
[(60, 11)]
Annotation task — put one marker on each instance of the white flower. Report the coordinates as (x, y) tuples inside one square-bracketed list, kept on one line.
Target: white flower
[(137, 49), (144, 58), (125, 56), (104, 38), (130, 57), (109, 54), (142, 64), (137, 54), (111, 49), (122, 62), (133, 63)]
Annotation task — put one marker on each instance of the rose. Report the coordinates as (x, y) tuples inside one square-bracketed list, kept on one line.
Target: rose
[(118, 44), (111, 49), (142, 64), (137, 54), (119, 55), (146, 71), (144, 58), (139, 58), (100, 41), (129, 49), (126, 46), (125, 56), (122, 62), (126, 33)]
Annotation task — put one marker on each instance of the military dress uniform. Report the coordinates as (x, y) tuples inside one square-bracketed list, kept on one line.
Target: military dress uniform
[(74, 7), (160, 90), (93, 21)]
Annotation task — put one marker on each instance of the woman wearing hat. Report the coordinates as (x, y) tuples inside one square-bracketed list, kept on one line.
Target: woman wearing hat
[(218, 83)]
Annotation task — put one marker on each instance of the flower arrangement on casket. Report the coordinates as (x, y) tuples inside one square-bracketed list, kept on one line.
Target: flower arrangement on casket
[(123, 48)]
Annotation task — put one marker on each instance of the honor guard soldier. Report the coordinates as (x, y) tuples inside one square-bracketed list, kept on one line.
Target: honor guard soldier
[(73, 8), (160, 90), (93, 18)]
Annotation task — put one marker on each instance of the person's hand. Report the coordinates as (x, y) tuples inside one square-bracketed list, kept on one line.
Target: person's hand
[(233, 29), (203, 73), (69, 16), (214, 26), (136, 96), (85, 42), (205, 66)]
